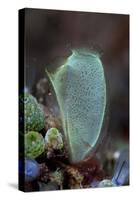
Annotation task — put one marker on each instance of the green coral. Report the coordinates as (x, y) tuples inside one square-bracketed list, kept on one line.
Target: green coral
[(33, 114), (53, 139), (34, 144)]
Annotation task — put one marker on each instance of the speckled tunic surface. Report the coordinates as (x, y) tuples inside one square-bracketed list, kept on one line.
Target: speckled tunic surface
[(80, 89)]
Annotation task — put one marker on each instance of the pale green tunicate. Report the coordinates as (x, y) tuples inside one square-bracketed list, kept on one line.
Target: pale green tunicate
[(80, 89), (106, 183)]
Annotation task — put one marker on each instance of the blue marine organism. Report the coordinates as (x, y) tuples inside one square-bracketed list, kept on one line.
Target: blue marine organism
[(121, 171), (32, 170), (80, 88)]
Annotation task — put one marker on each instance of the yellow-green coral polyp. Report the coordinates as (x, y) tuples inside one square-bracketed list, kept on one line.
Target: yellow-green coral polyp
[(80, 89)]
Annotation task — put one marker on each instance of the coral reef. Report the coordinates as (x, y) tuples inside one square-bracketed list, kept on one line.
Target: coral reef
[(59, 146)]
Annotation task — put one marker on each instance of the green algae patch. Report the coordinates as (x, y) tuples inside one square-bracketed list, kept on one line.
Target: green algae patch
[(34, 144)]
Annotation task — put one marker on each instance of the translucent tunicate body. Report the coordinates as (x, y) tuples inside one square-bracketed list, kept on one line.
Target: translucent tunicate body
[(80, 89)]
